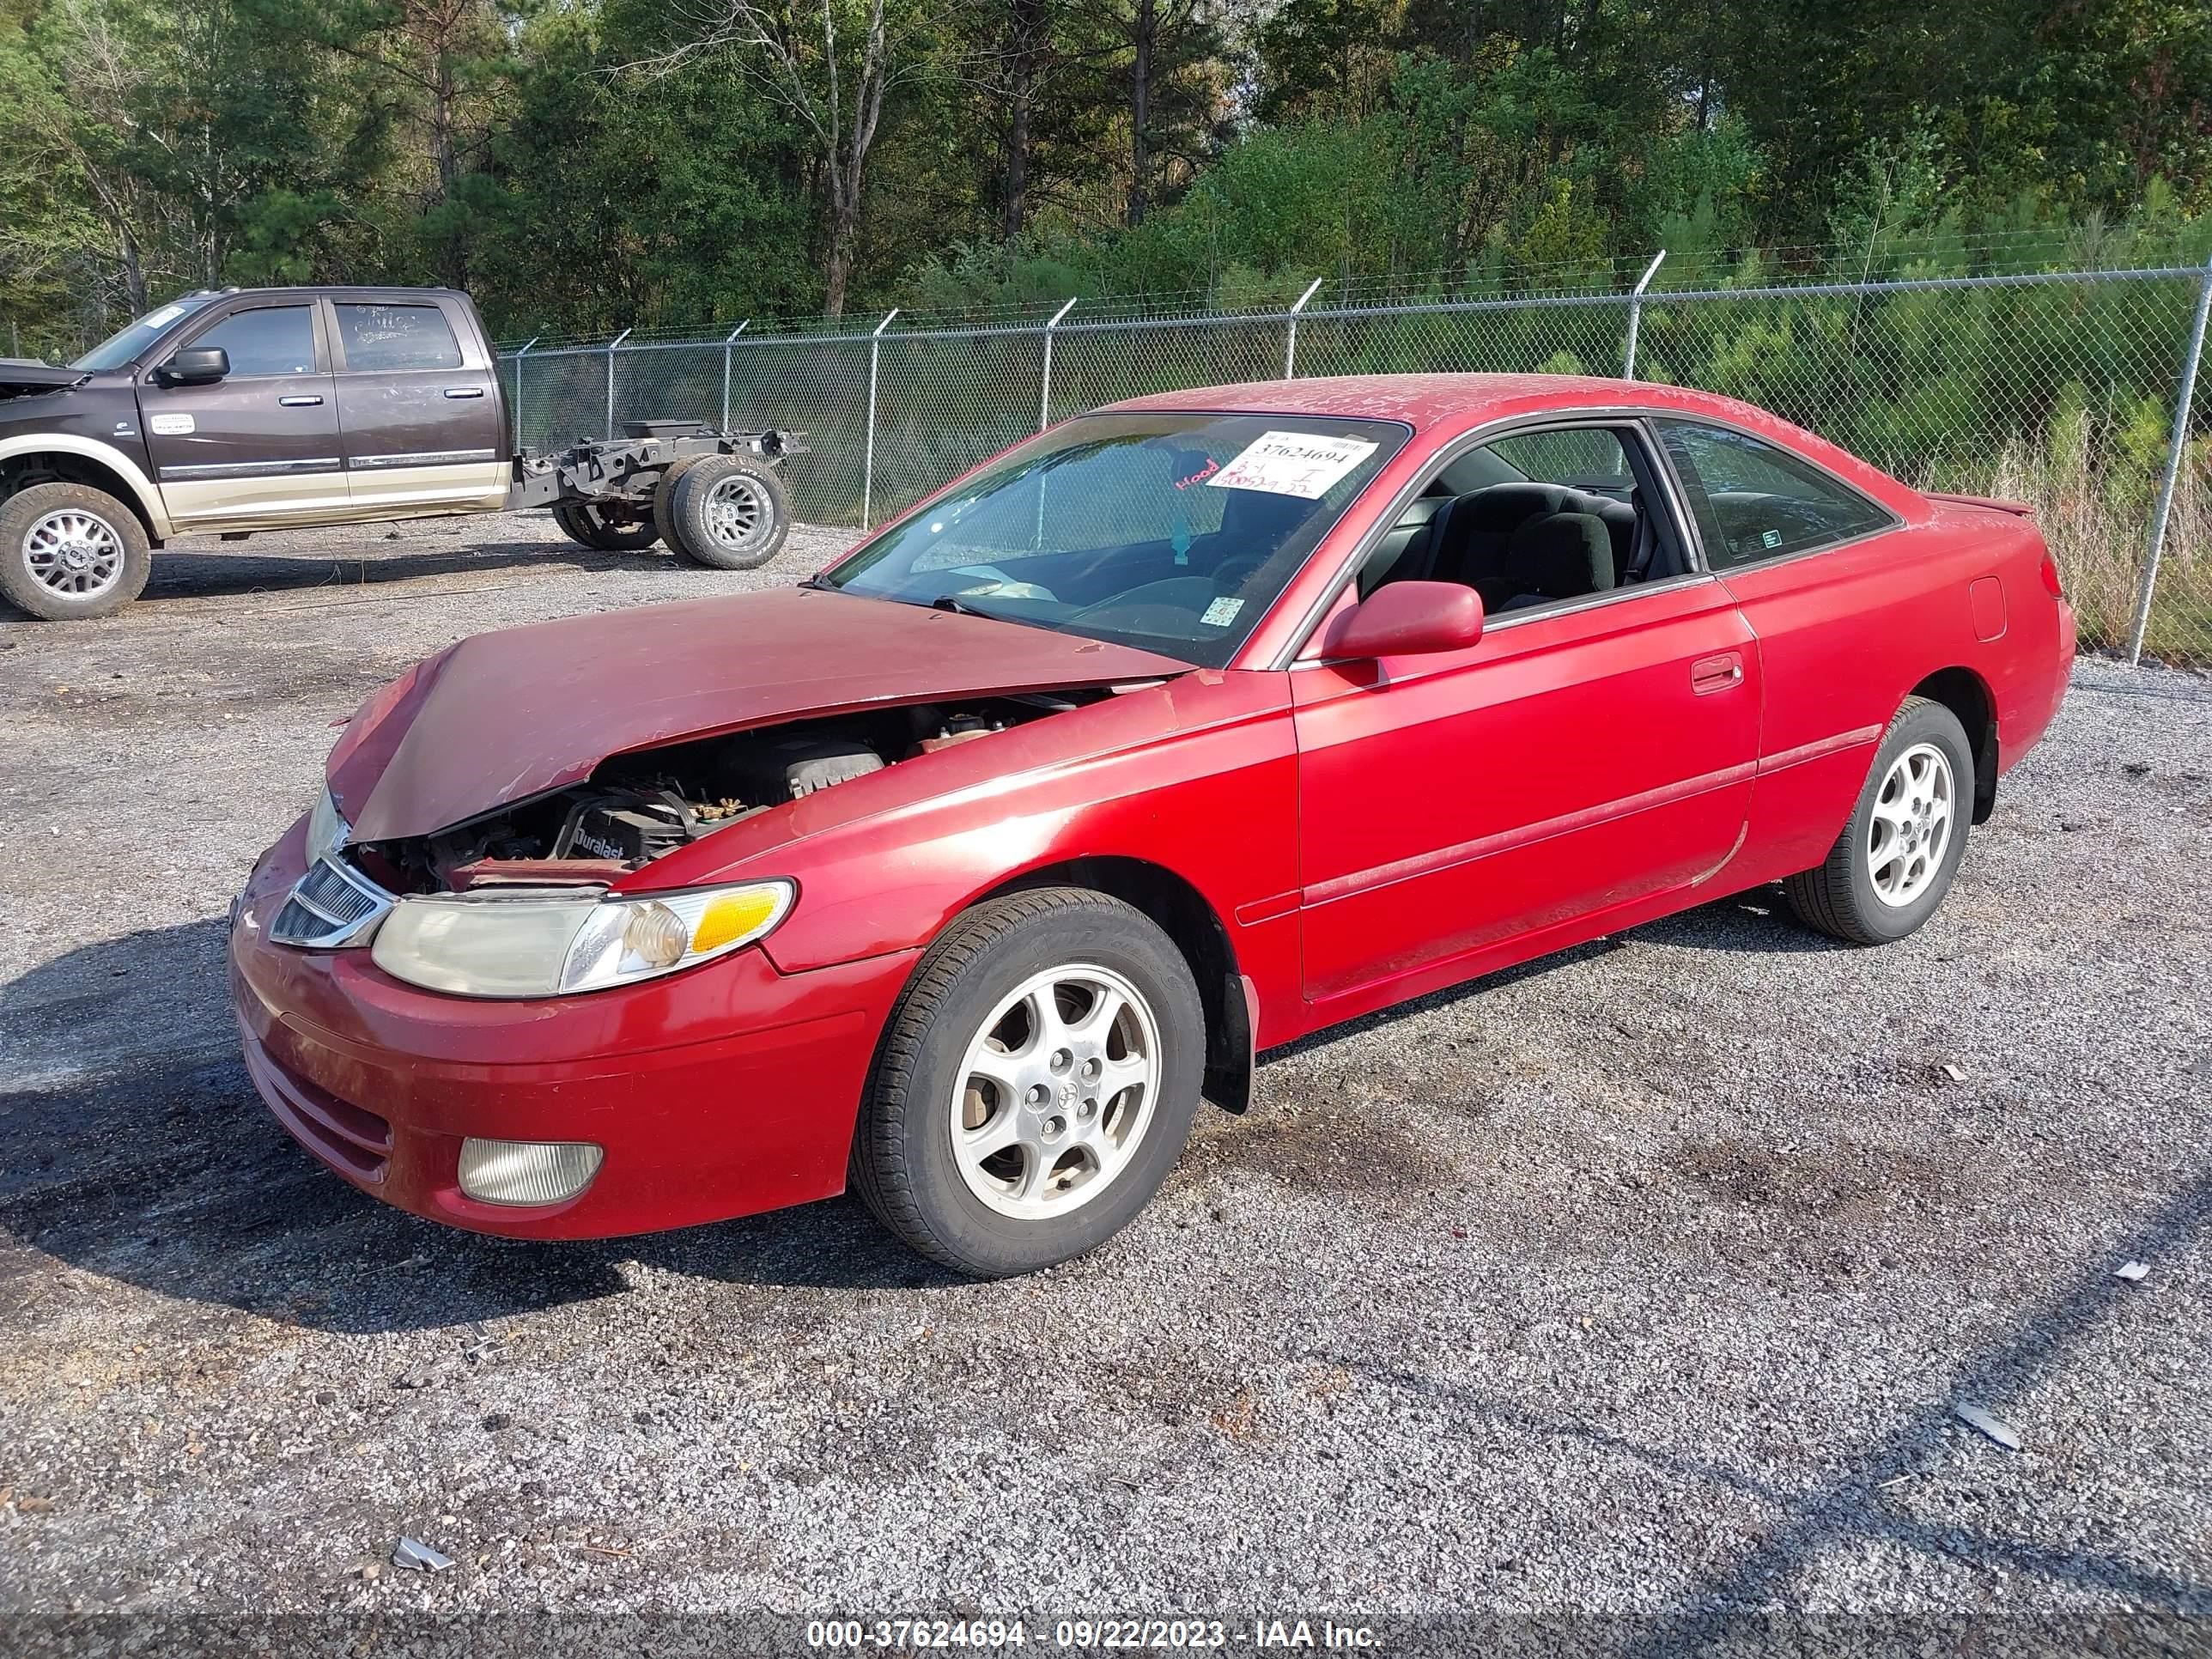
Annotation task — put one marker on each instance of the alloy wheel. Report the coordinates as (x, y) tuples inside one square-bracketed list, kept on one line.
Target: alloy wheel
[(1910, 828), (72, 552), (1056, 1091), (735, 511)]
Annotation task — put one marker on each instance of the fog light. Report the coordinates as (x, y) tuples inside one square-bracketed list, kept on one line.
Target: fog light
[(527, 1172)]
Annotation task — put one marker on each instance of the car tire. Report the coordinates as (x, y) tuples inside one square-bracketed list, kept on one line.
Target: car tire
[(1890, 867), (69, 552), (588, 523), (728, 512), (663, 499), (1098, 1112)]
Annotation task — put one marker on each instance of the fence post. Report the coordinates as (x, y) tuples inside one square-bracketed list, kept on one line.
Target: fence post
[(519, 356), (726, 339), (609, 431), (2179, 449), (1044, 379), (868, 457), (1636, 313), (1291, 345)]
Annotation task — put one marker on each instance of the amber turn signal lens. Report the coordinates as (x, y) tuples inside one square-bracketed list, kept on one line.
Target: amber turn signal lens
[(733, 915)]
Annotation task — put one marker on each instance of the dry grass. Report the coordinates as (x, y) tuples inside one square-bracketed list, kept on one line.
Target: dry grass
[(2094, 506)]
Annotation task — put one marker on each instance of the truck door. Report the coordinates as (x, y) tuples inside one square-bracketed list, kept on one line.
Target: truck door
[(257, 449), (418, 409)]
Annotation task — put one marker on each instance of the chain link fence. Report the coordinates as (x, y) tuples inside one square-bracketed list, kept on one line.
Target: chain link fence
[(2075, 391)]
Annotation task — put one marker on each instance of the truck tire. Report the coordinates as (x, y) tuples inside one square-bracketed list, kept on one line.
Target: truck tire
[(588, 522), (68, 551), (728, 512), (663, 494)]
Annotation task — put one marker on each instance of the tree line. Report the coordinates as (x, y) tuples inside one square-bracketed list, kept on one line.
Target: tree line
[(583, 166)]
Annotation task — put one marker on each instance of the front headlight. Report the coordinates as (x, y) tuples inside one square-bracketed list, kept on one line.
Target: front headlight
[(326, 830), (543, 945)]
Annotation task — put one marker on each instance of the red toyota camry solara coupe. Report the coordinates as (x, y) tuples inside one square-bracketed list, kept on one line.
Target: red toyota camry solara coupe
[(960, 871)]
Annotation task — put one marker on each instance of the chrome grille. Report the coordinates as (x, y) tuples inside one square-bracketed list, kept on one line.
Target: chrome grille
[(332, 905)]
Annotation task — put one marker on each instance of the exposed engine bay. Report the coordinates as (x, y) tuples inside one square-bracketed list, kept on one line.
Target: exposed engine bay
[(640, 806)]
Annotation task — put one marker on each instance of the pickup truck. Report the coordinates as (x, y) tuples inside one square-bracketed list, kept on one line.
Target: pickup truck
[(272, 409)]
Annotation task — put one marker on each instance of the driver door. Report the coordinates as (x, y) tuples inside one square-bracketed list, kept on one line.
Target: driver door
[(1456, 809), (259, 448)]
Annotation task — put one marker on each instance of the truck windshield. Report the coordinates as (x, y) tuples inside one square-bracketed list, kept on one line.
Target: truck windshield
[(124, 346), (1172, 531)]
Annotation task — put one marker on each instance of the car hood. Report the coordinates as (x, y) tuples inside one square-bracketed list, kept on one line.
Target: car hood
[(21, 377), (502, 717)]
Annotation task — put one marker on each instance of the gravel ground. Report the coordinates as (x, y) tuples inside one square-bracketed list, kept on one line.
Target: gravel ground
[(1646, 1277)]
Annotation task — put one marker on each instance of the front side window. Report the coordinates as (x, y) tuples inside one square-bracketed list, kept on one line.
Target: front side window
[(1753, 500), (1172, 531), (383, 336), (270, 340)]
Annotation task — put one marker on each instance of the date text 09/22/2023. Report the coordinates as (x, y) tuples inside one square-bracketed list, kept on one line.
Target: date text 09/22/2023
[(1265, 1633)]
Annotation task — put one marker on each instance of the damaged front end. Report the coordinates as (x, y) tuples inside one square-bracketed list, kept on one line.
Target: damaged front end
[(640, 806), (519, 902)]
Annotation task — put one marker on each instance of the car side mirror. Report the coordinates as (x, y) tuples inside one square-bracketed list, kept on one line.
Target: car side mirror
[(1406, 619), (196, 366)]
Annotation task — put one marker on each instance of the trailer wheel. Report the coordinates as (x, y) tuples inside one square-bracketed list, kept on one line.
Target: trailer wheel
[(728, 512), (588, 523), (663, 519)]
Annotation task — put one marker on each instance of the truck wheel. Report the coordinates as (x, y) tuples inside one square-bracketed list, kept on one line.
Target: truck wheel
[(663, 498), (68, 551), (729, 512), (588, 522)]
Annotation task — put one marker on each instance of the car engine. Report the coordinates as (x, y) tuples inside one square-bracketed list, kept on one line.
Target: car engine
[(641, 806)]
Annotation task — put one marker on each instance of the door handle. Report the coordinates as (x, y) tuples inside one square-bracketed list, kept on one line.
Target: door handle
[(1717, 673), (299, 403), (464, 392)]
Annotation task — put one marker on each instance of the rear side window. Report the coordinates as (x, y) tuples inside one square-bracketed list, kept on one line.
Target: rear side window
[(272, 340), (396, 337), (1753, 500)]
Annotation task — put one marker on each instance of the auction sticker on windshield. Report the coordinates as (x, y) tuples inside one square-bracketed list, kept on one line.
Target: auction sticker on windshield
[(1293, 464)]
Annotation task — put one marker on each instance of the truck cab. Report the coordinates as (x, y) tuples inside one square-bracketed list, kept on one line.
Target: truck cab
[(242, 410)]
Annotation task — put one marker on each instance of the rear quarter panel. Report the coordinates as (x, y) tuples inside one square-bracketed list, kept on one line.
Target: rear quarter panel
[(1846, 634)]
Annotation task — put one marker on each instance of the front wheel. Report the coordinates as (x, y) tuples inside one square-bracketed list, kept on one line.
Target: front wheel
[(1894, 862), (1035, 1084), (596, 526), (68, 551), (728, 512)]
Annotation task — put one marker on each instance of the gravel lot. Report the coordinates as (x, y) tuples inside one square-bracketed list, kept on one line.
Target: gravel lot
[(1646, 1277)]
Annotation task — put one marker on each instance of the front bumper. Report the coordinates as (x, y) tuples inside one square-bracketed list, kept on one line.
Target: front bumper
[(722, 1091)]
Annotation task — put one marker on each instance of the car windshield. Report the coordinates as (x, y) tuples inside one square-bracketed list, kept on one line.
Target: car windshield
[(1170, 532), (124, 346)]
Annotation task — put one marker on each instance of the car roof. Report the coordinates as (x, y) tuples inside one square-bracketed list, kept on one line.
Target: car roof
[(1426, 402)]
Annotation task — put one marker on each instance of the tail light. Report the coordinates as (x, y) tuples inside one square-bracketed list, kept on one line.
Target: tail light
[(2050, 582)]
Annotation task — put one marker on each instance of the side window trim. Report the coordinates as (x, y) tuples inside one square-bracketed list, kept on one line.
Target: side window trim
[(1889, 520), (1348, 571), (186, 339), (1630, 427)]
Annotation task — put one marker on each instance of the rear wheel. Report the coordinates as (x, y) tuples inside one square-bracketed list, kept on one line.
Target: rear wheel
[(663, 499), (728, 512), (1890, 867), (596, 526), (1035, 1084), (68, 551)]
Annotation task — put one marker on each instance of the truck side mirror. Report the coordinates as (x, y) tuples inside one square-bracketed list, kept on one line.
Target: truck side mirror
[(196, 366)]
